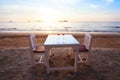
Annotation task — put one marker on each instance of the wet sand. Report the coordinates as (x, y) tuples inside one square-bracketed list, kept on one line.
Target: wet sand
[(16, 40)]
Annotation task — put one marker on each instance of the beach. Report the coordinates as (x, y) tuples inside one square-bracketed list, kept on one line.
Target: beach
[(79, 58), (16, 64), (16, 40)]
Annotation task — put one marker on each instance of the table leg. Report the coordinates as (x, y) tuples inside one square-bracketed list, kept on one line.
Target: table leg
[(47, 59), (76, 60)]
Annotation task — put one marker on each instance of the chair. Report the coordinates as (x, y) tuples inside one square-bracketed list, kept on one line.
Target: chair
[(37, 51), (85, 48)]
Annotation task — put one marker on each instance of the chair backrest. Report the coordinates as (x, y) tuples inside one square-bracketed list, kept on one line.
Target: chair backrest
[(32, 41), (88, 41)]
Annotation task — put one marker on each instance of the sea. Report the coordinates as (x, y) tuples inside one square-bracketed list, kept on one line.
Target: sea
[(60, 26)]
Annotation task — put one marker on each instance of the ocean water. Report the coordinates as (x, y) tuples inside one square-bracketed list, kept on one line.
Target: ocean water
[(61, 26)]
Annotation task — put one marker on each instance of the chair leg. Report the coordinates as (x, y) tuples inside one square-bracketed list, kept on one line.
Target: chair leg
[(88, 59), (84, 58), (40, 60)]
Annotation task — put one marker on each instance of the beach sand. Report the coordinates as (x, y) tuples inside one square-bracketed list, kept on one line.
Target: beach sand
[(15, 59), (16, 40)]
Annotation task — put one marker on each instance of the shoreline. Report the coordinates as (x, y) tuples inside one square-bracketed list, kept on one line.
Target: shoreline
[(55, 32), (26, 34)]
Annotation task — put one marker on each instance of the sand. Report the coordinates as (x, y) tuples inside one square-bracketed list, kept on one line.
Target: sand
[(16, 40), (15, 59)]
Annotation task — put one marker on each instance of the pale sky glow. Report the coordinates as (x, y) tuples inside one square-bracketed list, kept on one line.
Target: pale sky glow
[(55, 10), (110, 1)]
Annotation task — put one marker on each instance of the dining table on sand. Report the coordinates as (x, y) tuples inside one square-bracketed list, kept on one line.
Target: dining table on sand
[(54, 41)]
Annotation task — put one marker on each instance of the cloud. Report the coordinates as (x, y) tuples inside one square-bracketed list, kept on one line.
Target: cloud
[(68, 2), (109, 1), (94, 6)]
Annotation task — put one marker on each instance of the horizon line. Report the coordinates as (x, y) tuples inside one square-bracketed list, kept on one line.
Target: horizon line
[(56, 21)]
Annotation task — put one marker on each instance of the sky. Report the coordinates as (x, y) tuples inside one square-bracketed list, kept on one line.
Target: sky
[(55, 10)]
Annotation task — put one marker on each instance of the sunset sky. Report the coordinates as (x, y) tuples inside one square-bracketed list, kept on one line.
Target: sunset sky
[(55, 10)]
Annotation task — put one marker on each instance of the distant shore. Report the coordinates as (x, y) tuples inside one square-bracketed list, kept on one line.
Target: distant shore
[(16, 40)]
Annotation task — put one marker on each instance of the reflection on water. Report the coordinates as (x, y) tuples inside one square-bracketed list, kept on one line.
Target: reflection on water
[(61, 26)]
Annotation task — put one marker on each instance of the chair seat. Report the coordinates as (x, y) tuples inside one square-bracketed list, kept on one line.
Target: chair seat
[(82, 48), (39, 49)]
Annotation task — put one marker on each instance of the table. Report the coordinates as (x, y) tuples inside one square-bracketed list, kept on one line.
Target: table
[(54, 41)]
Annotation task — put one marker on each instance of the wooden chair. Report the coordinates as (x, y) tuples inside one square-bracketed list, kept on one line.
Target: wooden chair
[(84, 49), (37, 51)]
